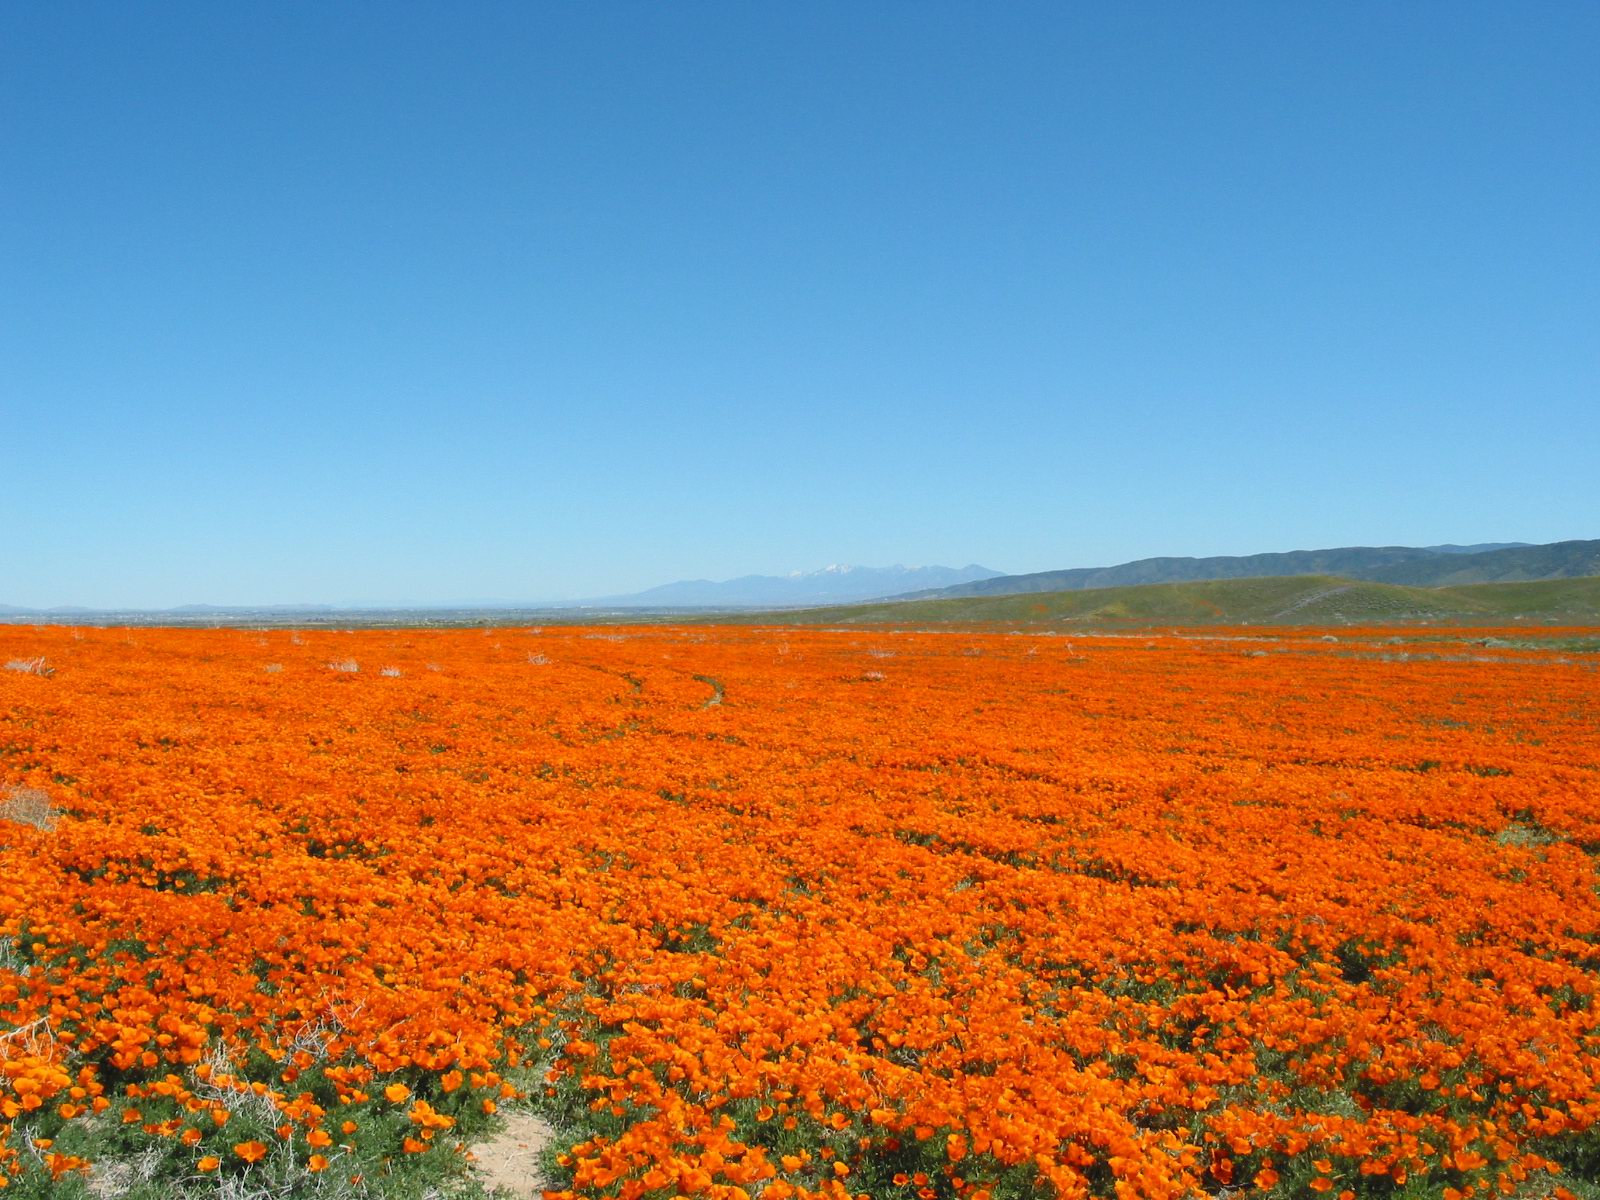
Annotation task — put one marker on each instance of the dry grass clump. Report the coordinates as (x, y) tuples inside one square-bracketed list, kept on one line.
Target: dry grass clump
[(1528, 834), (347, 665), (31, 666), (28, 806)]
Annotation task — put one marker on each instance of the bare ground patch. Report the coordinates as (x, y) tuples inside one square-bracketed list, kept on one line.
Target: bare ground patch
[(507, 1164)]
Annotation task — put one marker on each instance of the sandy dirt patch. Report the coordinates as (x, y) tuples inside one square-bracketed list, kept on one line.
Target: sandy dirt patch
[(508, 1163)]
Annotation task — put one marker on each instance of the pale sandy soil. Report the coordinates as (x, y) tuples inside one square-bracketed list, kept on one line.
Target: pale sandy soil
[(508, 1163)]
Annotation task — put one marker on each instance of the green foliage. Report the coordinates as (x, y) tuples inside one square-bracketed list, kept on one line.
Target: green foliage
[(1280, 600)]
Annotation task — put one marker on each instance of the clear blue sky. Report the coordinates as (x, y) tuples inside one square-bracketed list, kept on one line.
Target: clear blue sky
[(390, 302)]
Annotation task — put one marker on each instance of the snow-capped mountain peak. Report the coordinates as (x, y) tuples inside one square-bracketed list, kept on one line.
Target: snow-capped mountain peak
[(833, 584)]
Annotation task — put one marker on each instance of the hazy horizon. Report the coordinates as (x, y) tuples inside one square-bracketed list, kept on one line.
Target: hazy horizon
[(557, 602)]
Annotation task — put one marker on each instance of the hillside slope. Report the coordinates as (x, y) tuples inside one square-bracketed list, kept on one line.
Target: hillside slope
[(1425, 566), (1286, 600), (1558, 560)]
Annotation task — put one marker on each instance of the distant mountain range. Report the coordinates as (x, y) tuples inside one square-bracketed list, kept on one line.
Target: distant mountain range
[(830, 585), (1417, 566)]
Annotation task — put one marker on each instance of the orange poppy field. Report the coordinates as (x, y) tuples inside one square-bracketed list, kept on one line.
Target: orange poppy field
[(766, 912)]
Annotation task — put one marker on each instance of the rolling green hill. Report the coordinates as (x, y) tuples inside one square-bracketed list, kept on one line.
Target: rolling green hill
[(1280, 600), (1422, 566)]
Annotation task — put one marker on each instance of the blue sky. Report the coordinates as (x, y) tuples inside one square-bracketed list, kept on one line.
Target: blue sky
[(363, 302)]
